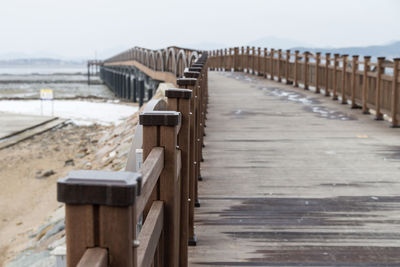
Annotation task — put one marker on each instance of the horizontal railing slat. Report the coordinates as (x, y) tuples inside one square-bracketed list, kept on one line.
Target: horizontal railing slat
[(179, 163), (151, 170), (150, 234), (94, 257)]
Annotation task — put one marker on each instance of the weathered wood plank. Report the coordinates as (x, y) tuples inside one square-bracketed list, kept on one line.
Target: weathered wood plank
[(94, 257), (151, 170), (285, 185), (84, 234), (117, 234), (150, 234)]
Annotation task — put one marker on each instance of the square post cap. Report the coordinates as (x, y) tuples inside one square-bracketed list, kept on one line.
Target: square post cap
[(160, 118), (186, 81), (195, 69), (99, 188), (178, 93), (191, 74)]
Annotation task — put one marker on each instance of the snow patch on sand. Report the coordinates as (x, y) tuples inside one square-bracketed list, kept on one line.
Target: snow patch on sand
[(80, 112)]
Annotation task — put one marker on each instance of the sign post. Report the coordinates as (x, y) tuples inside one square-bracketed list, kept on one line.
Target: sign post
[(46, 94)]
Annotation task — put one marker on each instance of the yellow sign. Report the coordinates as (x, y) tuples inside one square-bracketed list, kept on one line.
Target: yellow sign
[(46, 94)]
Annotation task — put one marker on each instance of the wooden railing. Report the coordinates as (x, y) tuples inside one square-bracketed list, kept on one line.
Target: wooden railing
[(143, 218), (365, 84)]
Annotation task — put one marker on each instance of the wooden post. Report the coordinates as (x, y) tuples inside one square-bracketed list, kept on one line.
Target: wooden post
[(167, 124), (380, 71), (306, 59), (327, 64), (354, 69), (287, 69), (365, 86), (271, 63), (179, 100), (236, 59), (265, 62), (190, 83), (212, 58), (259, 61), (279, 64), (344, 76), (395, 93), (296, 68), (99, 213), (215, 54), (242, 60), (335, 65), (218, 61), (225, 59), (317, 74), (247, 59), (231, 61), (253, 61)]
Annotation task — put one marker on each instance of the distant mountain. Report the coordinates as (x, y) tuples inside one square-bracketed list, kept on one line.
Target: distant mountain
[(391, 50), (36, 55), (276, 42), (40, 61)]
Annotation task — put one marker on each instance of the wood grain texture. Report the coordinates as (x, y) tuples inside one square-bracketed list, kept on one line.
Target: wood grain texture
[(151, 170), (117, 228), (150, 140), (169, 193), (81, 233), (150, 234), (283, 186), (94, 257)]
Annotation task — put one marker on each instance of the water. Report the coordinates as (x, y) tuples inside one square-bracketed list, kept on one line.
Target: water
[(29, 69), (67, 81)]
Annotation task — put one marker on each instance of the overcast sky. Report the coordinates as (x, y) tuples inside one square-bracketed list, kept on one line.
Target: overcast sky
[(79, 28)]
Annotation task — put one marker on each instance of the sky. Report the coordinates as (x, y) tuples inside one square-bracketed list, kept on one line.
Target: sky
[(99, 28)]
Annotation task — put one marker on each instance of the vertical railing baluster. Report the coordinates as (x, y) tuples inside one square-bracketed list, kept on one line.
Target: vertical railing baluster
[(327, 65)]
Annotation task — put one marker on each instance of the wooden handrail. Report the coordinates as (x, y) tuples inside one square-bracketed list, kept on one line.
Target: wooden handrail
[(150, 234), (101, 205), (151, 170), (340, 76), (94, 257)]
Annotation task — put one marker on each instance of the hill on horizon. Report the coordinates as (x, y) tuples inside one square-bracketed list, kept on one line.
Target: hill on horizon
[(391, 50)]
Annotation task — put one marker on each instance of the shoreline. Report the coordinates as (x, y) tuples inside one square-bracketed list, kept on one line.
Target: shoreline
[(87, 147)]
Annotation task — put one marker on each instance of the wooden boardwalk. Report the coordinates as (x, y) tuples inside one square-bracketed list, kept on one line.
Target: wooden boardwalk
[(292, 178)]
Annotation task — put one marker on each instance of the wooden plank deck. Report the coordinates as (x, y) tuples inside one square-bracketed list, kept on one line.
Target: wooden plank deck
[(292, 178)]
